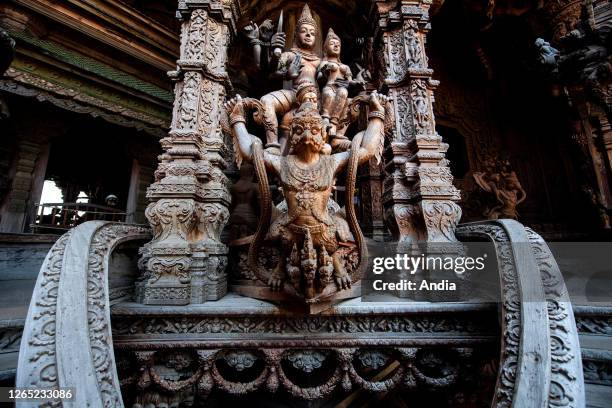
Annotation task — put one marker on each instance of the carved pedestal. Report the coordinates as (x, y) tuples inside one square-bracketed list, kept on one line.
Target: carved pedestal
[(419, 197), (185, 262), (236, 346)]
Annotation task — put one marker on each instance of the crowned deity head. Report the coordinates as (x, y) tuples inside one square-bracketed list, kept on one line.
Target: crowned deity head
[(306, 30), (307, 92), (307, 129), (332, 45)]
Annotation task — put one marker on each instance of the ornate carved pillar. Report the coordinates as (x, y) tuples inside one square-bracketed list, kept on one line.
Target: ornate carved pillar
[(419, 197), (185, 262)]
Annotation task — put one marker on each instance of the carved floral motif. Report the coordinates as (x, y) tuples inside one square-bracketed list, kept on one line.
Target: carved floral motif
[(306, 360)]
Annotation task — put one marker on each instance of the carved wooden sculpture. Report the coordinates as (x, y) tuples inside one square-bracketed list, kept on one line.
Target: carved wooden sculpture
[(298, 65), (317, 244), (501, 181), (160, 356)]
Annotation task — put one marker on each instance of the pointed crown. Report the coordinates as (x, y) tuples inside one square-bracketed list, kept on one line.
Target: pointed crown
[(330, 36), (307, 112), (306, 17)]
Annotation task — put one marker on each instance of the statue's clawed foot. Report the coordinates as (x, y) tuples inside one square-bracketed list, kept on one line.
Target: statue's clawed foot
[(343, 280), (275, 281)]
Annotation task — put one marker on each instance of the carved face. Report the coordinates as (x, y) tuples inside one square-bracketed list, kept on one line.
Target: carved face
[(307, 135), (306, 36), (332, 48), (310, 97)]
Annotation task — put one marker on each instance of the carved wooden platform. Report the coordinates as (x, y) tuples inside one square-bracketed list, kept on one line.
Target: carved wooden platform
[(236, 345)]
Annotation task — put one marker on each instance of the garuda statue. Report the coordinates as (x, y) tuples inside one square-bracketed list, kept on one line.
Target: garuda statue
[(321, 248)]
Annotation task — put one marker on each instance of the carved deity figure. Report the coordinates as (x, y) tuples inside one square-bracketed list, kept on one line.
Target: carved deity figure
[(502, 182), (413, 45), (298, 65), (306, 92), (337, 78), (315, 242)]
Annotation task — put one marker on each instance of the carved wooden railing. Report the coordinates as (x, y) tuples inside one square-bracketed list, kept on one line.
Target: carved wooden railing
[(67, 340), (540, 361), (60, 217)]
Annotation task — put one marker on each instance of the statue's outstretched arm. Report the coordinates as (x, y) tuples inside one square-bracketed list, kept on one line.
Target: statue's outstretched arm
[(372, 139), (251, 30), (259, 38), (243, 140), (372, 143)]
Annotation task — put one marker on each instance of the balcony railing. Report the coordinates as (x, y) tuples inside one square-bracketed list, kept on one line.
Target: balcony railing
[(59, 217)]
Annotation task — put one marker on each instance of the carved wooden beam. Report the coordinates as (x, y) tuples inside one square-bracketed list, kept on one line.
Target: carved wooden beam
[(155, 44)]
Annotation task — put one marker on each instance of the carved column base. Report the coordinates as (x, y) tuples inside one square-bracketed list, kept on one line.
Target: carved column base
[(163, 293), (165, 281), (441, 218), (208, 276), (402, 220)]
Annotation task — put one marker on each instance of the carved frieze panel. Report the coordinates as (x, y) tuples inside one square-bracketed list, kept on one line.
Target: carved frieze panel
[(156, 375), (404, 126), (421, 106), (188, 106), (414, 45), (397, 55), (194, 45)]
